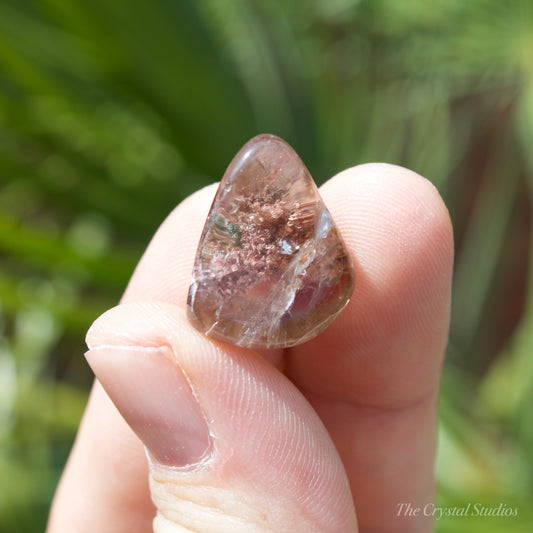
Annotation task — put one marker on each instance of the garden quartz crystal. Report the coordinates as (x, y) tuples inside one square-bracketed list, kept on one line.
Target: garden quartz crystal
[(271, 268)]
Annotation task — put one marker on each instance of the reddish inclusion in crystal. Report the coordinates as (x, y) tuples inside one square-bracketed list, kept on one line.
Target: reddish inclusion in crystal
[(271, 269)]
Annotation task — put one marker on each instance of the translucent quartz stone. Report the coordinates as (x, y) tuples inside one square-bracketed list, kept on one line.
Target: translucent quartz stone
[(271, 269)]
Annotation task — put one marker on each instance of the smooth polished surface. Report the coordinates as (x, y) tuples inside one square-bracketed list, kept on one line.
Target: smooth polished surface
[(271, 269)]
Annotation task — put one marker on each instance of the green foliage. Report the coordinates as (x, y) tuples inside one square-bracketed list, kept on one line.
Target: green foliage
[(112, 112)]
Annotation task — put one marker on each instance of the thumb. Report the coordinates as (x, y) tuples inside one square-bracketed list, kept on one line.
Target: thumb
[(232, 444)]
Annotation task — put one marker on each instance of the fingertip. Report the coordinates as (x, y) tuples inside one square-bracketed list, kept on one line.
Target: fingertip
[(399, 234), (367, 196), (268, 448), (395, 224)]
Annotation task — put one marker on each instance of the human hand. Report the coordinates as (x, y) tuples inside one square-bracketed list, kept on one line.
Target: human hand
[(349, 423)]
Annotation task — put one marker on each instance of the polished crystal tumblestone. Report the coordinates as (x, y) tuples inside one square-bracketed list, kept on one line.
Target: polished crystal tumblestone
[(271, 269)]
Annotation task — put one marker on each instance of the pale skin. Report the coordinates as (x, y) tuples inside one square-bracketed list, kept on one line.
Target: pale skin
[(347, 431)]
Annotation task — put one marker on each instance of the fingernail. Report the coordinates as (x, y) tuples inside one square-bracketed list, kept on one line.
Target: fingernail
[(156, 400)]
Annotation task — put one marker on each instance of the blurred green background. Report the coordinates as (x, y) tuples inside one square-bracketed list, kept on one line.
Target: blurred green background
[(111, 112)]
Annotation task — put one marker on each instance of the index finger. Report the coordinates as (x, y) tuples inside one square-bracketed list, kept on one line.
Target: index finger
[(373, 375)]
